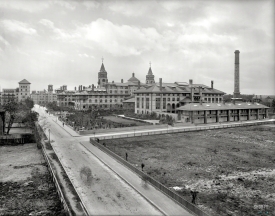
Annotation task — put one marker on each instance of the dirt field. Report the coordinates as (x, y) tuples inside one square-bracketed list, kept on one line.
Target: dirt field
[(123, 121), (25, 185), (232, 169)]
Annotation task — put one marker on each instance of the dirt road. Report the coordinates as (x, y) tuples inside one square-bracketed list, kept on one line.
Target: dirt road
[(106, 193)]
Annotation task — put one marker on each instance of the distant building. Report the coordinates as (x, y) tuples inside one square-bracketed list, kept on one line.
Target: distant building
[(167, 97), (105, 95), (24, 90), (9, 94), (221, 112), (44, 97)]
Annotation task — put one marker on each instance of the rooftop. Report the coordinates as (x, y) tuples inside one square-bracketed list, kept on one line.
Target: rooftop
[(221, 106), (24, 81)]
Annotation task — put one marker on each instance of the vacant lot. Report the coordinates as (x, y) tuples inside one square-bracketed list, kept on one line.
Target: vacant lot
[(123, 121), (25, 183), (232, 169)]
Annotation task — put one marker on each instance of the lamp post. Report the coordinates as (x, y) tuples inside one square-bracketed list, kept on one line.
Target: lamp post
[(49, 136)]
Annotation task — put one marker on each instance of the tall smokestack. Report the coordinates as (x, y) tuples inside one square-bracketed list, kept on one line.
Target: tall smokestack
[(121, 80), (236, 92), (160, 84), (212, 84)]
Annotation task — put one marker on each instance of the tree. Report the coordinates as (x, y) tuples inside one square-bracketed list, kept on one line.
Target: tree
[(273, 105), (29, 103), (11, 109), (30, 119)]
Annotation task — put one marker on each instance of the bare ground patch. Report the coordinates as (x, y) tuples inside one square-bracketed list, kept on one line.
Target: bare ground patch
[(232, 169)]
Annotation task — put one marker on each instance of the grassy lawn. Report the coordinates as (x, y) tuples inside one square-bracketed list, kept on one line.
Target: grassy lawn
[(123, 121), (232, 169)]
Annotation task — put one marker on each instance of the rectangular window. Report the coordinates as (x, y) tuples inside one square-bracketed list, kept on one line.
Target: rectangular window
[(164, 103), (137, 102), (157, 103), (142, 103), (147, 103)]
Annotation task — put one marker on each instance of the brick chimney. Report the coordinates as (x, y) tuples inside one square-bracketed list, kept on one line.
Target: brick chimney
[(160, 84), (212, 84), (75, 88), (93, 87), (121, 80), (236, 92), (133, 74), (138, 83), (191, 82)]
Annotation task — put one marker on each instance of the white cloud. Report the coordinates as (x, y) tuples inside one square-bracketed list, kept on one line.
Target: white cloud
[(47, 23), (128, 8), (67, 4), (17, 26), (54, 53), (84, 55), (29, 6), (120, 40), (91, 4), (5, 42)]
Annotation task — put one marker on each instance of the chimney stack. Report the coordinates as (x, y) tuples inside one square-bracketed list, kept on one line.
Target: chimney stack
[(212, 84), (138, 83), (121, 80), (160, 84), (192, 95), (133, 74), (75, 88), (191, 82), (93, 87), (236, 92), (200, 92)]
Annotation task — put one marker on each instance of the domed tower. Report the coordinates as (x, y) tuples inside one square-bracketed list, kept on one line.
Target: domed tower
[(102, 76), (150, 78)]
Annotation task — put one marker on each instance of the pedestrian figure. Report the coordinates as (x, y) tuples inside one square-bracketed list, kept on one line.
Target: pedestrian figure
[(126, 156), (63, 124), (142, 166), (104, 144), (194, 196)]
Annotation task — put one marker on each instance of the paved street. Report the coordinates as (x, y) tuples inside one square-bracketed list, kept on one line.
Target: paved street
[(114, 189)]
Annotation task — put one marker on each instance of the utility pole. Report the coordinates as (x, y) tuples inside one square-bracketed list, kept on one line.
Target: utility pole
[(49, 136)]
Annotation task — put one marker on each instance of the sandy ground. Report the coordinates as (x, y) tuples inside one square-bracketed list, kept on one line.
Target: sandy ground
[(24, 156), (106, 194)]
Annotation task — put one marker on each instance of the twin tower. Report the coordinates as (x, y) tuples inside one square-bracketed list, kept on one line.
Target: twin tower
[(103, 79)]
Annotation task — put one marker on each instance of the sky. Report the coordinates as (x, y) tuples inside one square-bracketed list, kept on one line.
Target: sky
[(63, 42)]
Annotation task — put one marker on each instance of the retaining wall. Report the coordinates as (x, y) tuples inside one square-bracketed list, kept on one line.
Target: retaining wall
[(172, 130), (187, 205)]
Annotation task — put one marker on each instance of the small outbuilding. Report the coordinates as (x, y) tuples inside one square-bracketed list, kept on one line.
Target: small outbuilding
[(222, 112)]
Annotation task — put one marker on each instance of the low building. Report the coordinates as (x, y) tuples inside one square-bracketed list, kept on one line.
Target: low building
[(222, 112), (129, 104), (167, 97), (44, 97)]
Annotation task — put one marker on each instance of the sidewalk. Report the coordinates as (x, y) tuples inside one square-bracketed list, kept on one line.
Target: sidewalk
[(166, 205), (65, 127)]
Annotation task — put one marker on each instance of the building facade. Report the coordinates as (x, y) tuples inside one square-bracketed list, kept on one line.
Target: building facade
[(203, 113), (24, 90), (105, 95), (167, 97)]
